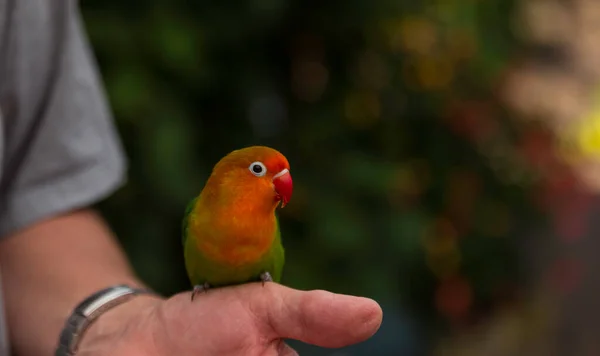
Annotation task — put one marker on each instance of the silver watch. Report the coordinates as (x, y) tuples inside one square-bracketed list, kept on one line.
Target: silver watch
[(88, 310)]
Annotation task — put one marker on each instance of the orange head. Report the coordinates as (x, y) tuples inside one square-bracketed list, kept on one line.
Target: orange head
[(256, 175)]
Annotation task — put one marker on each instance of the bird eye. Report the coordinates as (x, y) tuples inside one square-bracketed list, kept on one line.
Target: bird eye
[(258, 169)]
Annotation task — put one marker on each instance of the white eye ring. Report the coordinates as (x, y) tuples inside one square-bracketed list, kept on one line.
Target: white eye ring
[(258, 169)]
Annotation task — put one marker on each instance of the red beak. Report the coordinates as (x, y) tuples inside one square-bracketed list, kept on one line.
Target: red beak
[(283, 186)]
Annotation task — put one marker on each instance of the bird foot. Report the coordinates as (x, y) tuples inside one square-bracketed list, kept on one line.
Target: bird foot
[(266, 277), (200, 288)]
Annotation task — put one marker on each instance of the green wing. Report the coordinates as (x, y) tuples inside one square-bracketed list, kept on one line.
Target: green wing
[(184, 222), (277, 255)]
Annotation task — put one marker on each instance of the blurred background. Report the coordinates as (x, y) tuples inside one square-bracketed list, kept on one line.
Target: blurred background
[(446, 154)]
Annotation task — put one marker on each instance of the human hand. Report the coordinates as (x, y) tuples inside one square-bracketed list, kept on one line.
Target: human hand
[(249, 319)]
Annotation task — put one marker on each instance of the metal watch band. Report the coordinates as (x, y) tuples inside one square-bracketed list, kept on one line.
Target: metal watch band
[(88, 310)]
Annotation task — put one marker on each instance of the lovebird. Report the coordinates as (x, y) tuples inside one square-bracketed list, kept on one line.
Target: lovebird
[(230, 231)]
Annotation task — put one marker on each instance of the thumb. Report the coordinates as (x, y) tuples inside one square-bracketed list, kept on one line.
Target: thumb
[(315, 317)]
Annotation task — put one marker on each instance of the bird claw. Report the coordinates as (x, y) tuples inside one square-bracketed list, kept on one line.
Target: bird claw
[(266, 277), (200, 288)]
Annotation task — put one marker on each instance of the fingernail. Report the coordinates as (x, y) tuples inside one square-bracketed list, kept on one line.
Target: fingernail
[(285, 350)]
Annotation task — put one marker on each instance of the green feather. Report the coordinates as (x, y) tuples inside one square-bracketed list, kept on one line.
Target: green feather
[(202, 269), (186, 217)]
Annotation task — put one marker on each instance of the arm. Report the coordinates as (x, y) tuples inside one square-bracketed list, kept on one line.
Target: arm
[(59, 154), (50, 267)]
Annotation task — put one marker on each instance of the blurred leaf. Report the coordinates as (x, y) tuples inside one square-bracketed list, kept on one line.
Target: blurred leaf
[(337, 225)]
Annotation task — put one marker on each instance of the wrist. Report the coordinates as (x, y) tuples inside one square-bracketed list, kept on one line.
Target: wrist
[(118, 324)]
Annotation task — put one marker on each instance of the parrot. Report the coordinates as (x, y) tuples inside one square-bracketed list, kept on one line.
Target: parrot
[(230, 231)]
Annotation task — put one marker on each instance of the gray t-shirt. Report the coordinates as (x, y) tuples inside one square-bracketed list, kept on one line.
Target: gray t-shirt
[(59, 150)]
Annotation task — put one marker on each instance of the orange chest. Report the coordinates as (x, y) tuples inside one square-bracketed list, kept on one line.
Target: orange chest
[(234, 241)]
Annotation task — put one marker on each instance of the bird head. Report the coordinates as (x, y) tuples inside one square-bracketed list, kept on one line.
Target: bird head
[(256, 172)]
